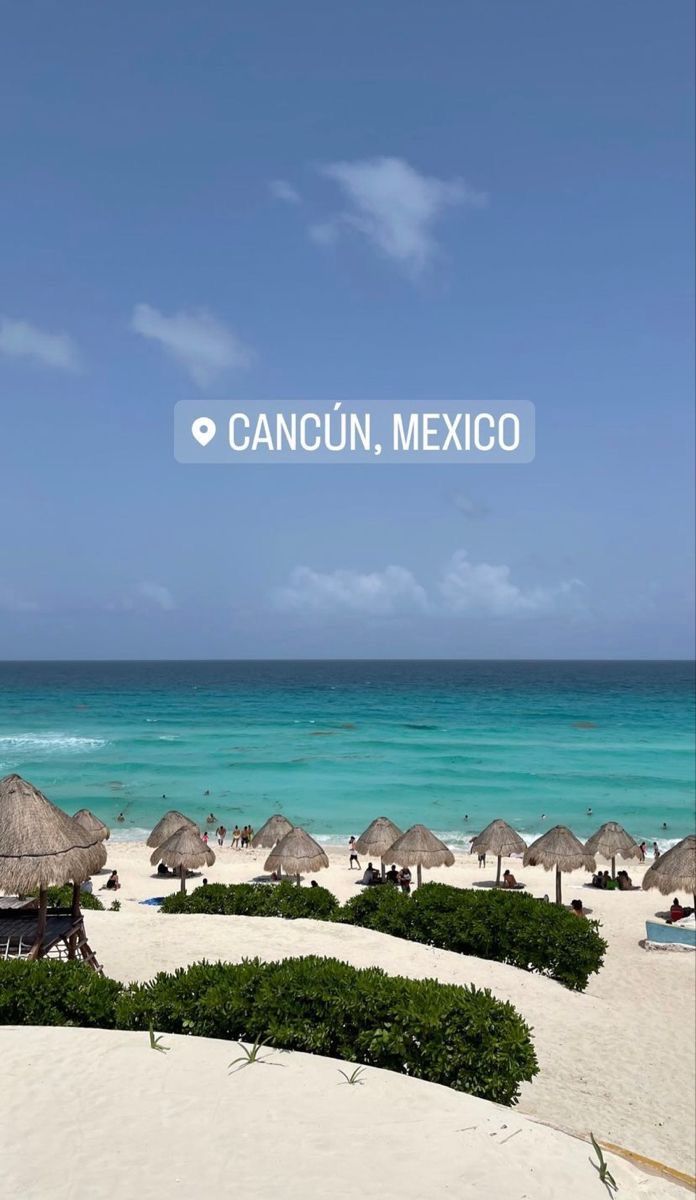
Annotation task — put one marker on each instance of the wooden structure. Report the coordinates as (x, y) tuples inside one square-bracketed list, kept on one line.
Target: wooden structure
[(63, 934)]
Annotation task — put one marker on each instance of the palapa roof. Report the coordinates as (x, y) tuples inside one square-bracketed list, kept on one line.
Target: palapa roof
[(296, 853), (418, 847), (558, 848), (499, 838), (40, 845), (272, 831), (378, 838), (612, 841), (185, 848), (675, 870), (167, 825), (90, 822)]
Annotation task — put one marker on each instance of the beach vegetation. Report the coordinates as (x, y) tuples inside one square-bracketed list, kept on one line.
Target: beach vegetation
[(51, 992), (508, 927), (62, 897), (256, 900), (461, 1037)]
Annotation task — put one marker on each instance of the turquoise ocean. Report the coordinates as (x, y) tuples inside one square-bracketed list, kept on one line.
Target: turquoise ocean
[(333, 744)]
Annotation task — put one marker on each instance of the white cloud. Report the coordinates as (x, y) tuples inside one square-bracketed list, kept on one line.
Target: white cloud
[(467, 505), (19, 339), (11, 602), (394, 207), (198, 341), (144, 595), (282, 190), (157, 595), (378, 593), (464, 589), (483, 589)]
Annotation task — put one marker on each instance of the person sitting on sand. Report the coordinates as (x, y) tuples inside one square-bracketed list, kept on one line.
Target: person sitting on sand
[(624, 881), (371, 875), (314, 883), (161, 869), (676, 912), (509, 880), (87, 886), (392, 875), (405, 880), (598, 879), (576, 908), (236, 835), (112, 884)]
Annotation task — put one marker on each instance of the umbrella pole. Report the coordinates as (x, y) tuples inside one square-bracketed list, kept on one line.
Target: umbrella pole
[(297, 880), (383, 870), (35, 951), (183, 878), (419, 874), (72, 941), (613, 867), (559, 898), (500, 860)]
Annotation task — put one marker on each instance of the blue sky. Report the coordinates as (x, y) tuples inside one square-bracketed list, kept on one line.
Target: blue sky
[(467, 200)]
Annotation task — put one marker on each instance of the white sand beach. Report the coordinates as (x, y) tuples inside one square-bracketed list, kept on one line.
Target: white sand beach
[(617, 1060), (142, 1125)]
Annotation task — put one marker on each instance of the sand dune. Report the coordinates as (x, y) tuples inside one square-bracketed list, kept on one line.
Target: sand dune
[(607, 1057), (99, 1114)]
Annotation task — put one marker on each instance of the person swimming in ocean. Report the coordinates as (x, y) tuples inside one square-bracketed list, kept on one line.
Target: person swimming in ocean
[(120, 818), (589, 812)]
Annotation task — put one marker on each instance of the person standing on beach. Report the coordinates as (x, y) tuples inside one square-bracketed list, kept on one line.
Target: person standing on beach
[(405, 880), (236, 834), (221, 834), (656, 851), (642, 851), (353, 854)]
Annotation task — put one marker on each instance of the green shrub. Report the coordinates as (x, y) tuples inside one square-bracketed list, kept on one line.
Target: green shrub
[(50, 992), (463, 1038), (61, 897), (255, 900), (508, 927)]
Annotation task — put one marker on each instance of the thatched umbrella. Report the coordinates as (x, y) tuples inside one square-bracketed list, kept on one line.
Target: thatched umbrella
[(167, 825), (561, 849), (183, 851), (500, 839), (296, 853), (272, 831), (611, 841), (419, 848), (92, 824), (675, 870), (377, 839), (40, 845)]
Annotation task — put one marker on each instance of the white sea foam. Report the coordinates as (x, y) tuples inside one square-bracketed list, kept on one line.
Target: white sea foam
[(49, 743)]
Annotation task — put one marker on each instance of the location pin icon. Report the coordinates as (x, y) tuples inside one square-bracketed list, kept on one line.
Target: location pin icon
[(203, 429)]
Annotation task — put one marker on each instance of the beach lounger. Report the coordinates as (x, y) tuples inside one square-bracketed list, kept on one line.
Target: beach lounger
[(682, 937)]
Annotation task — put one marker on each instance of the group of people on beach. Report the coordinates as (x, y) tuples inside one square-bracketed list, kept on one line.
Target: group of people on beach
[(240, 839), (622, 882)]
